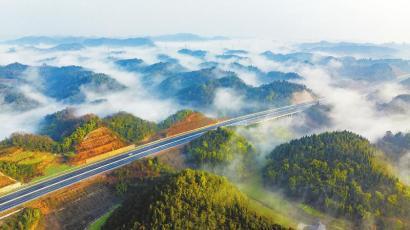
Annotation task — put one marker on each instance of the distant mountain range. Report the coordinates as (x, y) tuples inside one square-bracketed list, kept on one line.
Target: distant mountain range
[(198, 88), (109, 41), (349, 48), (349, 67), (182, 37), (84, 41), (399, 104), (63, 84)]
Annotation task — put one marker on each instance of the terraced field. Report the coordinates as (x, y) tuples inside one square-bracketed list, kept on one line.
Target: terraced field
[(97, 142), (193, 121)]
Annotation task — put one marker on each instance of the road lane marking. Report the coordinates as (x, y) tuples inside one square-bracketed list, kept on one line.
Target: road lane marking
[(78, 175), (251, 117)]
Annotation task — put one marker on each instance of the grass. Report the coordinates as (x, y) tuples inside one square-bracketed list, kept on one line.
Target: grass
[(283, 211), (28, 157), (45, 161), (267, 212), (98, 223), (311, 211), (56, 168), (51, 170)]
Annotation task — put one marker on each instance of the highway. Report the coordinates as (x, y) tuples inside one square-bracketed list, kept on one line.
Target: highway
[(25, 194)]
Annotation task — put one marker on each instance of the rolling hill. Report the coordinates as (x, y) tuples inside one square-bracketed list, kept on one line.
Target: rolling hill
[(341, 174), (188, 200)]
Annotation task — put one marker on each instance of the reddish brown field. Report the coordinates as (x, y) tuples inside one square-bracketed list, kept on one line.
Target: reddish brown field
[(97, 142), (193, 121), (5, 180)]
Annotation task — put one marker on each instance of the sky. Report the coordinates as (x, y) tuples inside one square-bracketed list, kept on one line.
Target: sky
[(281, 20)]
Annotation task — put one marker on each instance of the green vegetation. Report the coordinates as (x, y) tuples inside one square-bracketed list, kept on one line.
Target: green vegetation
[(198, 89), (24, 165), (137, 172), (175, 118), (30, 142), (268, 203), (61, 124), (53, 170), (222, 151), (277, 93), (283, 211), (25, 220), (132, 129), (188, 200), (339, 173), (97, 224), (21, 172), (68, 143)]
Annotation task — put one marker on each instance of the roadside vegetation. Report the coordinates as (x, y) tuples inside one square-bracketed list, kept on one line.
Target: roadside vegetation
[(132, 129), (66, 139), (340, 173), (188, 200), (338, 177), (224, 152), (26, 219)]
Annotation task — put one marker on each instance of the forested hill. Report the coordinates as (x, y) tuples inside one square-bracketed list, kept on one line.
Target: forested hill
[(339, 173), (224, 152), (188, 200), (62, 131), (64, 84)]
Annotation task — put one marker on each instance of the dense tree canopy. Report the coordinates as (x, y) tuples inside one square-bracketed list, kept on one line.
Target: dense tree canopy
[(30, 142), (62, 123), (129, 127), (174, 118), (338, 172), (188, 200), (222, 151), (21, 172), (198, 89), (26, 219), (68, 143)]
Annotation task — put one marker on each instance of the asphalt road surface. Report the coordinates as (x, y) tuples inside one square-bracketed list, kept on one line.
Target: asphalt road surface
[(42, 188)]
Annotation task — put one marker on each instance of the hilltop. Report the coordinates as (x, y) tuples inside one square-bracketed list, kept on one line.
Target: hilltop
[(188, 200), (339, 173)]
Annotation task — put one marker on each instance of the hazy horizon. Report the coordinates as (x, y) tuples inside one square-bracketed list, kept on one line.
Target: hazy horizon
[(290, 21)]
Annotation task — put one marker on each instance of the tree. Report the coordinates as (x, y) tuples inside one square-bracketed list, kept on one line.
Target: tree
[(132, 129), (188, 200), (222, 151), (339, 173)]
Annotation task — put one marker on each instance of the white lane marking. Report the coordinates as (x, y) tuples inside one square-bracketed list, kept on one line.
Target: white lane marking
[(11, 213), (132, 154), (77, 175)]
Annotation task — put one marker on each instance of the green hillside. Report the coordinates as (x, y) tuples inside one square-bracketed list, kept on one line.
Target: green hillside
[(188, 200), (339, 173), (222, 151), (129, 127)]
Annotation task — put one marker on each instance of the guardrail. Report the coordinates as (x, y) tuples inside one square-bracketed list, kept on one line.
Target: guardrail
[(128, 150)]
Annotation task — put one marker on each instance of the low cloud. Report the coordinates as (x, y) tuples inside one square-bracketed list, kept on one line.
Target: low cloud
[(227, 101), (354, 104), (403, 168)]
